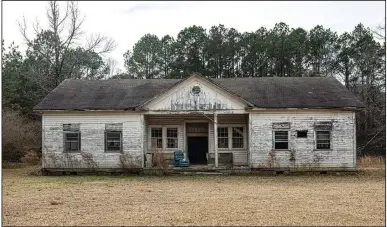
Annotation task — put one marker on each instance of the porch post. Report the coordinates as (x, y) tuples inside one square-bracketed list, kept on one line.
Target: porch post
[(216, 138)]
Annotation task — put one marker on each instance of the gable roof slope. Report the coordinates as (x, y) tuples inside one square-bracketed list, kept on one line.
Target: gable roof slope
[(262, 92)]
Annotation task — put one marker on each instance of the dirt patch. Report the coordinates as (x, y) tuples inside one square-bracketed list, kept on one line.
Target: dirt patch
[(193, 200)]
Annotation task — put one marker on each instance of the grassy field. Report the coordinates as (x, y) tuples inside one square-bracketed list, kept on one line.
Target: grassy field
[(194, 200)]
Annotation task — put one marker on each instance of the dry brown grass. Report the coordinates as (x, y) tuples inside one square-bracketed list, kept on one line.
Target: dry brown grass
[(371, 162), (194, 200)]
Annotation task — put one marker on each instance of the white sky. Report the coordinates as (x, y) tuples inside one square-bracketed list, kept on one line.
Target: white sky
[(127, 22)]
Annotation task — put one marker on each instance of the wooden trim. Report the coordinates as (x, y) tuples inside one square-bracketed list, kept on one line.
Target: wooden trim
[(354, 140), (282, 110), (229, 130), (164, 137)]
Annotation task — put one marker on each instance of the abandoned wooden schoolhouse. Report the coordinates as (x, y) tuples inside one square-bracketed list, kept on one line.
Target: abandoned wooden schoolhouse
[(267, 122)]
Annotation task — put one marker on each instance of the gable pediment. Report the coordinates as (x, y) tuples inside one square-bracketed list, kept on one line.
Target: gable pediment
[(195, 94)]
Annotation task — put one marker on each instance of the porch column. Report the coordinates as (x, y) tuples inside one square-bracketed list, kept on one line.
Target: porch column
[(216, 138)]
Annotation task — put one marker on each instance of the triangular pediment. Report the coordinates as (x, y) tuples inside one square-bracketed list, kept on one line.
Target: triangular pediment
[(195, 93)]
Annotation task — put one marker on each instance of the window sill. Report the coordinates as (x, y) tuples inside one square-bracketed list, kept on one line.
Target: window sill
[(113, 151), (231, 149), (280, 149), (72, 152), (322, 149)]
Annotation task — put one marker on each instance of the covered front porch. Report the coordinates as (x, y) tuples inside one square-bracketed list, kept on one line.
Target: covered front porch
[(208, 140)]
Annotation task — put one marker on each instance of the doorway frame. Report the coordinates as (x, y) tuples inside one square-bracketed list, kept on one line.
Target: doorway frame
[(186, 136)]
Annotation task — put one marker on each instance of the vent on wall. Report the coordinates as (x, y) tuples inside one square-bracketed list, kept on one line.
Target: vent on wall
[(302, 134)]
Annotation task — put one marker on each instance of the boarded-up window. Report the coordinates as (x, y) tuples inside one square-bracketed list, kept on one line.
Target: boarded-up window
[(323, 126), (323, 139), (281, 125), (281, 140), (222, 137), (156, 137), (172, 138), (72, 138), (237, 137)]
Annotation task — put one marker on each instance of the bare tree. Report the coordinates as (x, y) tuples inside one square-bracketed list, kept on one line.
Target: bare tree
[(380, 31), (112, 65), (66, 28)]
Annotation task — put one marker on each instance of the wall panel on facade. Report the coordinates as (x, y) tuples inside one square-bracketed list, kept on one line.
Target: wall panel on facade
[(92, 128), (302, 152)]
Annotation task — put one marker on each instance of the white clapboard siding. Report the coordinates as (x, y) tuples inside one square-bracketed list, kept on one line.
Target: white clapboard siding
[(341, 154), (92, 128)]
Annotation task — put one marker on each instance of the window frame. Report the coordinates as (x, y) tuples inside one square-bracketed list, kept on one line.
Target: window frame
[(75, 130), (330, 140), (106, 141), (230, 136), (164, 137), (150, 138), (177, 137), (274, 140), (222, 137)]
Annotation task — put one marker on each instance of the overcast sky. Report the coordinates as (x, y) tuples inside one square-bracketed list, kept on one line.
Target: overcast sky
[(126, 22)]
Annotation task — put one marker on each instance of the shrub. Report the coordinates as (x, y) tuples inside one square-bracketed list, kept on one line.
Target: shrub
[(31, 157), (129, 163), (20, 134), (159, 161), (89, 161)]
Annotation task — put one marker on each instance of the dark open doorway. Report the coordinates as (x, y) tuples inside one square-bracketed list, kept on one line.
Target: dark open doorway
[(197, 149)]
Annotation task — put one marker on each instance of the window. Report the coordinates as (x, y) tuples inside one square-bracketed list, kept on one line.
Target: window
[(72, 138), (302, 134), (281, 139), (222, 137), (171, 137), (323, 139), (156, 137), (237, 137), (113, 140)]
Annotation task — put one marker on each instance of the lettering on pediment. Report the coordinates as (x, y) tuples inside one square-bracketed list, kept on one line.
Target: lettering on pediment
[(195, 98), (195, 95)]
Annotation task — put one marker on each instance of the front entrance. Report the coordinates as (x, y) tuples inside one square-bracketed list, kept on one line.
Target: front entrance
[(197, 142), (197, 150)]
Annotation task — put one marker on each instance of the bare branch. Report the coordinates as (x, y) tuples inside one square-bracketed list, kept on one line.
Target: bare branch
[(97, 40), (23, 30)]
